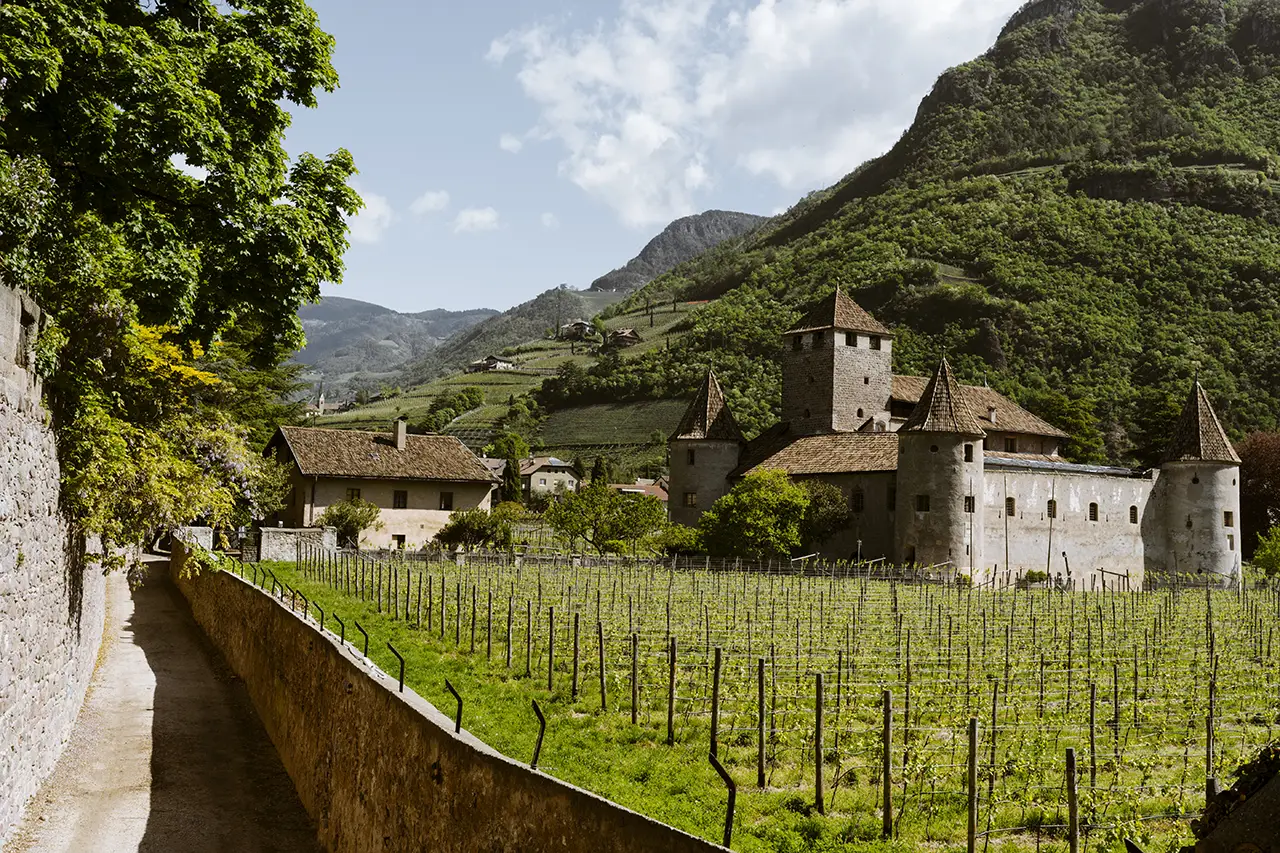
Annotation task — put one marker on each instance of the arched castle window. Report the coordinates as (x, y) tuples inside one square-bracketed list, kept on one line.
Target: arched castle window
[(1133, 515), (860, 413), (1052, 510), (1093, 512), (1010, 507), (858, 499)]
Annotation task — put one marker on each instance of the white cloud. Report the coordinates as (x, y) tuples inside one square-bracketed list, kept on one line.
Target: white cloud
[(656, 104), (373, 220), (550, 220), (510, 143), (431, 201), (475, 219)]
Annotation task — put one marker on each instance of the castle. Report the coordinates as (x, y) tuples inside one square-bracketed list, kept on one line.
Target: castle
[(959, 477)]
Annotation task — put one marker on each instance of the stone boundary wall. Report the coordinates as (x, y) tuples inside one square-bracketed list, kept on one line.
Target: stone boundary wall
[(382, 770), (52, 601), (281, 543)]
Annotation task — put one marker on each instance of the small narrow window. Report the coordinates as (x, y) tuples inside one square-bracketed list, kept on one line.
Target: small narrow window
[(691, 457), (875, 342), (850, 339), (911, 555), (860, 413), (797, 343), (400, 499), (397, 539), (1010, 506), (969, 503), (691, 499), (446, 500), (1231, 541), (866, 380), (922, 503), (1011, 445), (353, 494), (968, 453), (1228, 519), (1052, 509), (858, 500), (818, 338), (1133, 515), (1093, 512), (806, 413), (542, 481), (893, 498)]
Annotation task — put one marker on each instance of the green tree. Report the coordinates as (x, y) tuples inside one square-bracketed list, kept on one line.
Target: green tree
[(144, 268), (827, 514), (507, 445), (1259, 486), (760, 518), (604, 518), (479, 527), (512, 489), (351, 517), (1267, 554)]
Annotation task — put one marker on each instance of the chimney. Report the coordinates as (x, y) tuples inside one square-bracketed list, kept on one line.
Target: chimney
[(401, 432), (991, 414)]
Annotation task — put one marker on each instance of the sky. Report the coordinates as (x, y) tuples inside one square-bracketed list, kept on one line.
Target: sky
[(508, 146)]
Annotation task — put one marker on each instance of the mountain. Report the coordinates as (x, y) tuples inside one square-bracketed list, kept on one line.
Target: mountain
[(358, 344), (680, 241), (1086, 217)]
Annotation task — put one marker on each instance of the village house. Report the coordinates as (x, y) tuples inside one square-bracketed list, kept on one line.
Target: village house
[(547, 475), (577, 330), (959, 477), (417, 481), (652, 488), (489, 364), (623, 338)]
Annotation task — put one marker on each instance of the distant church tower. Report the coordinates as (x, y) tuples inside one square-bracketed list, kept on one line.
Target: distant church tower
[(837, 369), (1200, 488), (703, 452), (940, 480)]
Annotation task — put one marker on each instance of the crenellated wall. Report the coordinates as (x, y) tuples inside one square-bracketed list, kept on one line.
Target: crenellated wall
[(52, 604)]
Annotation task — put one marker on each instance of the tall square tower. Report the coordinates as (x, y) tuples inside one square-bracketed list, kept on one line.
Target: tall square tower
[(837, 368)]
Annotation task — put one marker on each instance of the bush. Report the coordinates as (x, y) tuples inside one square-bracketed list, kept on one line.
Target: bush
[(351, 518), (1267, 555)]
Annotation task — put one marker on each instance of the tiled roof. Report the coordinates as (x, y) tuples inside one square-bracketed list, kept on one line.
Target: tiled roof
[(537, 463), (652, 490), (838, 311), (708, 417), (835, 453), (373, 455), (1010, 417), (1198, 436), (943, 407)]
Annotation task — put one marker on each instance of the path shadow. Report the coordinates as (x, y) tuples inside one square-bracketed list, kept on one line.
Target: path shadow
[(217, 783)]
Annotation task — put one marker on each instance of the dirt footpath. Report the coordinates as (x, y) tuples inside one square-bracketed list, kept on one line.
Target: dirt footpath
[(168, 754)]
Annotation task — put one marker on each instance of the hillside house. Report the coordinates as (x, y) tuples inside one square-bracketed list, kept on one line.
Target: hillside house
[(959, 477), (417, 481), (623, 338), (489, 364), (642, 487), (577, 330), (547, 475)]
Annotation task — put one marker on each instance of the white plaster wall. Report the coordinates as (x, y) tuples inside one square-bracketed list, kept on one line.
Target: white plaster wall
[(946, 533), (555, 481), (419, 522), (708, 477), (1195, 497), (1035, 542)]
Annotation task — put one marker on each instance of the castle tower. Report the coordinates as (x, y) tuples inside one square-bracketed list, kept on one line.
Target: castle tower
[(703, 452), (837, 368), (1200, 489), (939, 501)]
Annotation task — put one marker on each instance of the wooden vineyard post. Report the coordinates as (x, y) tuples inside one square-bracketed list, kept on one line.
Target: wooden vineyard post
[(604, 703), (1073, 804), (715, 705), (995, 700), (551, 646), (528, 638), (886, 769), (575, 655), (431, 600), (760, 742), (511, 604), (972, 787), (488, 626), (1093, 734), (635, 675), (1210, 785), (671, 693), (817, 744), (474, 602)]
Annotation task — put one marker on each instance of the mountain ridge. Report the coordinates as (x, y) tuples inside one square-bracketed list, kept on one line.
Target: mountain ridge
[(680, 241)]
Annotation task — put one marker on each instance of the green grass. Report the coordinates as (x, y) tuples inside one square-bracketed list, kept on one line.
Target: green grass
[(942, 652)]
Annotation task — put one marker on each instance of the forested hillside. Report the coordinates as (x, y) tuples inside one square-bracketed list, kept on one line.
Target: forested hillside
[(1085, 216), (680, 241)]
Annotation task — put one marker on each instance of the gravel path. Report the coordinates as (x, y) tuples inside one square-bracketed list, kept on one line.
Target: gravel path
[(168, 754)]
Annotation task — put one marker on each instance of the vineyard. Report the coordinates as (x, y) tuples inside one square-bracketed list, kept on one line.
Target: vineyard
[(798, 681)]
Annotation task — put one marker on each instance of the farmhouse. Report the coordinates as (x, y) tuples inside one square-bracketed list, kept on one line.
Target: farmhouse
[(623, 338), (547, 474), (489, 364), (417, 481), (958, 476), (577, 330)]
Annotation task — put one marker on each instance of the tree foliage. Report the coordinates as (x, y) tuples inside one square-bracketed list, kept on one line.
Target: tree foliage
[(606, 519), (1266, 555), (351, 517), (476, 528), (171, 291), (762, 517), (1259, 486), (826, 515)]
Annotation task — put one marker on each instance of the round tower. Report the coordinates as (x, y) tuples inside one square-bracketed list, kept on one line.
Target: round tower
[(703, 452), (1199, 487), (939, 484)]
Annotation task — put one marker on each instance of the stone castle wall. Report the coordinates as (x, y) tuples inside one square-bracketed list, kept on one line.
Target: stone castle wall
[(52, 605)]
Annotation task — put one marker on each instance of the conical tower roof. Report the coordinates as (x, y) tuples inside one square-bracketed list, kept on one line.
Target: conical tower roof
[(708, 416), (942, 408), (1198, 436), (838, 311)]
